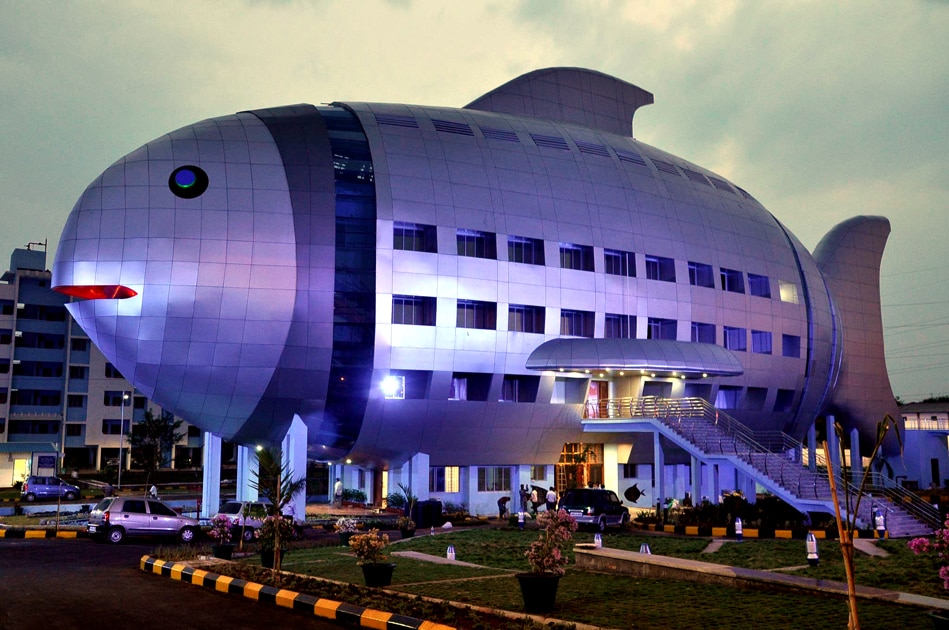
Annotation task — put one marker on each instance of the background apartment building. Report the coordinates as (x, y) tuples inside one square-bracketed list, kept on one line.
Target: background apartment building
[(60, 398)]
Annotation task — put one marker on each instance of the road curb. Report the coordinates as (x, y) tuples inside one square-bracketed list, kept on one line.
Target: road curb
[(325, 608)]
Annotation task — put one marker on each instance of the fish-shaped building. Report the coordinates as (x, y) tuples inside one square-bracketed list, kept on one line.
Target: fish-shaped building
[(474, 284)]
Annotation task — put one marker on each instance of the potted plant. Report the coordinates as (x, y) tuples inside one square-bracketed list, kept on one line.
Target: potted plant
[(221, 533), (274, 532), (406, 526), (346, 528), (371, 549), (546, 558)]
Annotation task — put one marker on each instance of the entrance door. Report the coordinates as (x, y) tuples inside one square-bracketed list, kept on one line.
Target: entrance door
[(597, 395)]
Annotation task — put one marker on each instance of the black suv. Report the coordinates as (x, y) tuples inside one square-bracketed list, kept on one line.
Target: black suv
[(597, 508)]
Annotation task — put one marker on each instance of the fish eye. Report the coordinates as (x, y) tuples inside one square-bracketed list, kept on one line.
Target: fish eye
[(188, 182)]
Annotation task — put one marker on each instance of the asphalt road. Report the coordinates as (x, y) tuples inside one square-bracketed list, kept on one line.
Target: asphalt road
[(79, 584)]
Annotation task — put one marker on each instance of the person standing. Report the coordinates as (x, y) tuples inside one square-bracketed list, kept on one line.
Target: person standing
[(551, 499), (338, 493), (534, 501)]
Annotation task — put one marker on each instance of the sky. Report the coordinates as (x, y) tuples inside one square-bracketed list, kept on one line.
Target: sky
[(821, 110)]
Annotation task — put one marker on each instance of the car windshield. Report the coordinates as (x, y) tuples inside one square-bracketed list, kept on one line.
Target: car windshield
[(104, 504), (230, 507), (585, 497)]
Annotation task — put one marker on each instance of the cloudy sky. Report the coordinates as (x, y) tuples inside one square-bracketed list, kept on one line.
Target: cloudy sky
[(821, 110)]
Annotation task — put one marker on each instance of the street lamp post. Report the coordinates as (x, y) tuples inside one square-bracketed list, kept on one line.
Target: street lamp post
[(122, 435)]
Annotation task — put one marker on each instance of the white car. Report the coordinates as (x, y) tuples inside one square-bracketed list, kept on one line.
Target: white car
[(245, 522)]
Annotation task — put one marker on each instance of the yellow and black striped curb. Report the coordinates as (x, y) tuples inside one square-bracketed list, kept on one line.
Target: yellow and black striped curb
[(328, 609), (44, 532), (751, 532)]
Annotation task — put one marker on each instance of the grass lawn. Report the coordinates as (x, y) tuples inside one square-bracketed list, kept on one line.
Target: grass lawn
[(610, 601)]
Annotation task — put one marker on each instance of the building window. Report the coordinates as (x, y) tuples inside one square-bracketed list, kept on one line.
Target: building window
[(79, 344), (444, 479), (414, 237), (727, 397), (114, 398), (703, 333), (619, 263), (701, 275), (477, 244), (494, 479), (788, 292), (538, 472), (74, 430), (629, 471), (78, 372), (783, 400), (791, 346), (659, 268), (413, 310), (735, 338), (732, 280), (75, 401), (469, 386), (755, 398), (525, 318), (111, 371), (517, 388), (576, 323), (759, 286), (761, 342), (474, 314), (529, 251), (578, 257), (617, 326), (113, 426), (659, 328), (6, 336), (406, 384)]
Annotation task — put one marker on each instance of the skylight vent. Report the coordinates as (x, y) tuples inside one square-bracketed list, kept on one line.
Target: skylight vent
[(395, 120)]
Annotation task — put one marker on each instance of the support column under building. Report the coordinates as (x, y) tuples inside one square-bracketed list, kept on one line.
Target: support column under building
[(812, 447), (247, 467), (696, 488), (833, 445), (211, 491), (293, 452), (658, 473), (856, 462)]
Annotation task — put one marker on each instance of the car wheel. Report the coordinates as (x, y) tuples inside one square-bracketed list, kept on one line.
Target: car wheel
[(30, 497), (116, 535), (186, 535), (71, 496), (601, 524)]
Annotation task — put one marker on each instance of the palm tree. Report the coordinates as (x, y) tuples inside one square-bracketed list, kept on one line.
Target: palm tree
[(273, 482)]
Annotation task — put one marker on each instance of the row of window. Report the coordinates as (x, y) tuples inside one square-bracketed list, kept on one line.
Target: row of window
[(420, 311), (521, 249), (416, 384)]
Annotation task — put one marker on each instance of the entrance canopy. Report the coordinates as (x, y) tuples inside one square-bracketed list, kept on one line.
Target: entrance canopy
[(657, 356)]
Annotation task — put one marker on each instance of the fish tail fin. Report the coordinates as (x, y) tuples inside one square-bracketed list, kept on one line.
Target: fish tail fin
[(849, 258)]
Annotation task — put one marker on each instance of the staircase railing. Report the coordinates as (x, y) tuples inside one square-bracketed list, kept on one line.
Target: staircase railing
[(776, 454)]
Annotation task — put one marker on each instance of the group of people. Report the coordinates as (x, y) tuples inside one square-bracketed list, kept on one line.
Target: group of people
[(530, 501)]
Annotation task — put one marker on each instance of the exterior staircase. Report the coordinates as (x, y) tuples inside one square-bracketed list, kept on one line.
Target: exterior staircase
[(773, 459)]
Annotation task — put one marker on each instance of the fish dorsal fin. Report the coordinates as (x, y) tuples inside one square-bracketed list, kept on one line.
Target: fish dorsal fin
[(572, 95)]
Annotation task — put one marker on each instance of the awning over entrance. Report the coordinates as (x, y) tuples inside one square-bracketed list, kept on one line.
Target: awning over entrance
[(653, 355)]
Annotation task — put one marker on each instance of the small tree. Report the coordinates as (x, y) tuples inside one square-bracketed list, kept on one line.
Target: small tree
[(152, 440), (273, 483), (846, 524)]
